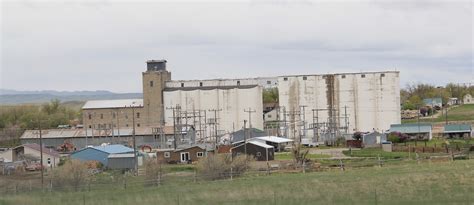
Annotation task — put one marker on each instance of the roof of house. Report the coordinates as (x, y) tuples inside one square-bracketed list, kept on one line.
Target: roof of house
[(411, 128), (273, 139), (36, 147), (258, 143), (96, 104), (457, 128), (113, 149)]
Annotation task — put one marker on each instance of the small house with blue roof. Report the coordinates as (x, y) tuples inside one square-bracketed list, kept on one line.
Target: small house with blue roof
[(101, 153)]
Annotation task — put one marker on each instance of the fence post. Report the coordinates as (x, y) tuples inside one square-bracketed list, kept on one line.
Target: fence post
[(341, 164), (380, 161), (29, 183), (50, 185), (125, 183), (195, 175), (409, 152), (231, 174), (376, 197)]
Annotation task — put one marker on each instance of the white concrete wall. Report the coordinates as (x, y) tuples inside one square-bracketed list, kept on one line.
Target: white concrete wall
[(372, 102), (265, 82), (232, 102)]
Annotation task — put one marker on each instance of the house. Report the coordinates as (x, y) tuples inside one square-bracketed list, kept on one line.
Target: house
[(373, 139), (467, 99), (420, 131), (278, 143), (32, 152), (433, 102), (248, 133), (270, 116), (185, 155), (457, 131), (259, 150), (101, 153), (6, 155), (453, 101)]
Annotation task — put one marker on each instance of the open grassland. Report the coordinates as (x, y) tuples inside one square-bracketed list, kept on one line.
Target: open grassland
[(289, 156), (426, 183), (459, 113)]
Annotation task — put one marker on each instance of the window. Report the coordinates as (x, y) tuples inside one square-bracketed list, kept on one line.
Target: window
[(269, 82), (363, 76), (138, 124), (343, 76), (382, 75), (285, 79), (126, 125), (167, 154), (200, 154), (113, 115), (238, 82), (151, 83), (182, 84), (200, 84), (259, 154), (90, 116), (101, 116), (90, 126), (305, 78), (126, 116), (138, 115)]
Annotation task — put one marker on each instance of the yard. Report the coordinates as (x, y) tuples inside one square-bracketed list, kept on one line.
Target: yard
[(459, 113), (426, 183)]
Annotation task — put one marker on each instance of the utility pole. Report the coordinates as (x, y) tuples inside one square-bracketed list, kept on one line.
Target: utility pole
[(446, 115), (133, 137), (41, 151), (245, 137), (250, 111)]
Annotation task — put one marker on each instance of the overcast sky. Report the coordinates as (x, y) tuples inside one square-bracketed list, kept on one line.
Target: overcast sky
[(103, 45)]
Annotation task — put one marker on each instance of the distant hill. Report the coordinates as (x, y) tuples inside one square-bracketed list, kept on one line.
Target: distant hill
[(14, 97)]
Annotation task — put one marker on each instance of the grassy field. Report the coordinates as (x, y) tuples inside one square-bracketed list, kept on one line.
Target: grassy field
[(428, 183), (459, 113)]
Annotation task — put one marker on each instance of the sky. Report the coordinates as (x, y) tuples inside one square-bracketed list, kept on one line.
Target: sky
[(104, 45)]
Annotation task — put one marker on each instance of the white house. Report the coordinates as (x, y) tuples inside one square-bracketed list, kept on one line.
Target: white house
[(467, 99)]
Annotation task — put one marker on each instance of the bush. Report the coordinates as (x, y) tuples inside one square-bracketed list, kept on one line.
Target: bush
[(73, 173), (397, 137), (213, 167)]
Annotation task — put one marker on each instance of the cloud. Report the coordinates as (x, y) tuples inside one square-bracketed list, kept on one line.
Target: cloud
[(104, 45)]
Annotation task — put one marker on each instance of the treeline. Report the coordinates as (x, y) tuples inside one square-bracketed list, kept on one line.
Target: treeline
[(49, 114), (412, 95)]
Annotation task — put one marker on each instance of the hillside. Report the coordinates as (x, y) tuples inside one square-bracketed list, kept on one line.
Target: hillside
[(12, 97)]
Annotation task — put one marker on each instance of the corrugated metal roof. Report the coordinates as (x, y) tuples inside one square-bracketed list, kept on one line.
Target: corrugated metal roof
[(273, 139), (95, 104), (71, 133), (113, 149), (37, 147), (453, 128), (411, 128), (433, 101)]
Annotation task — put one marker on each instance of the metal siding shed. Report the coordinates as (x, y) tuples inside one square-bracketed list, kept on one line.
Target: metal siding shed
[(457, 128), (91, 154)]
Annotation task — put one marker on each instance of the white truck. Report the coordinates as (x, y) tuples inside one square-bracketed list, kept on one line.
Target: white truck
[(308, 142)]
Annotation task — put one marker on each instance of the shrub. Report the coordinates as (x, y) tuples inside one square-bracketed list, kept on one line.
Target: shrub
[(73, 173), (397, 137), (220, 166)]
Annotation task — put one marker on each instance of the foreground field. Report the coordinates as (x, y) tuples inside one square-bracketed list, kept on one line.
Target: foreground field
[(427, 183)]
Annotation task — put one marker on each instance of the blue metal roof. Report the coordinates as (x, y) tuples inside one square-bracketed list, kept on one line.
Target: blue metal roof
[(114, 149), (433, 101), (453, 128)]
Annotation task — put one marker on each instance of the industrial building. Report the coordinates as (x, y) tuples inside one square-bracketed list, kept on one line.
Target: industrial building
[(323, 107), (328, 106)]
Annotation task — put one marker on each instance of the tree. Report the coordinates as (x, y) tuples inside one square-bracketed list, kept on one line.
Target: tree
[(270, 95)]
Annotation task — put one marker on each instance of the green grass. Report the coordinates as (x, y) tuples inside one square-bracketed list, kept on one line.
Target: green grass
[(375, 152), (459, 113), (427, 183), (289, 156), (439, 142)]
